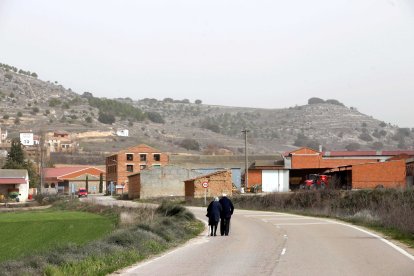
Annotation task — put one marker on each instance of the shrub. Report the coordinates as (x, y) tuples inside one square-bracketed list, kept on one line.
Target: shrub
[(190, 144), (106, 118), (155, 117), (365, 137), (353, 146)]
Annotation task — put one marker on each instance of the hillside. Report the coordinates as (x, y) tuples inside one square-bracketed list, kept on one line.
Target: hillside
[(28, 103)]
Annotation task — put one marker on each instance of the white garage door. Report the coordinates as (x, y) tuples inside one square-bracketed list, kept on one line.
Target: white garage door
[(270, 180)]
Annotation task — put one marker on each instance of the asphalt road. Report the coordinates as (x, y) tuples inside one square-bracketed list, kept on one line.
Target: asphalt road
[(267, 243)]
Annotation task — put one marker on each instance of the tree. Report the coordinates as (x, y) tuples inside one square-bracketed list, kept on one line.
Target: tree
[(106, 118), (155, 117), (16, 160), (190, 144), (353, 146), (198, 102), (87, 183), (88, 119), (315, 100), (101, 183), (16, 154), (334, 102), (34, 75)]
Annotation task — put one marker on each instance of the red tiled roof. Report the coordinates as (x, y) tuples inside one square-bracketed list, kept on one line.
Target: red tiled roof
[(12, 181), (56, 172)]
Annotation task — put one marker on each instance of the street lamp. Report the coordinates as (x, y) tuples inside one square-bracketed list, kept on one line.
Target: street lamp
[(246, 169)]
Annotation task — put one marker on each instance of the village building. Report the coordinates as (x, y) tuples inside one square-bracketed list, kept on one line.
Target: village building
[(163, 181), (68, 180), (60, 141), (210, 185), (14, 181), (268, 176), (131, 161), (350, 169)]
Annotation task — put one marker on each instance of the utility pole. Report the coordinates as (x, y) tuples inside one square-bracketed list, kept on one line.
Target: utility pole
[(246, 169)]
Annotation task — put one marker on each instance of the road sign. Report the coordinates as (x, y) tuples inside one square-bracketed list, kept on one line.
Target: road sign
[(205, 184)]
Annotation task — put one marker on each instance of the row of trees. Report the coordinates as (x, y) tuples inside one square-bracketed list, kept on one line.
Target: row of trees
[(16, 70)]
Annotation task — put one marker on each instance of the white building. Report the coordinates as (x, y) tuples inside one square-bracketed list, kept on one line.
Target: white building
[(14, 181), (26, 138), (122, 132)]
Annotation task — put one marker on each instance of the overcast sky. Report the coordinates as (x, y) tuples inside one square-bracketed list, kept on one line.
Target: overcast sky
[(252, 53)]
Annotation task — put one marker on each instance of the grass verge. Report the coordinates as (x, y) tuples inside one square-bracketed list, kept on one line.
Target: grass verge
[(140, 233)]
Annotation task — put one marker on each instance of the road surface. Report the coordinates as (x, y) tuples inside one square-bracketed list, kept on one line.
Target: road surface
[(267, 243)]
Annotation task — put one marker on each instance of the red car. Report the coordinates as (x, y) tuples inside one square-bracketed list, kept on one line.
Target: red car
[(82, 192)]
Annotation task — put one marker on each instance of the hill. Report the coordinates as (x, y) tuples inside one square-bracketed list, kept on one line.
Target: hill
[(28, 103)]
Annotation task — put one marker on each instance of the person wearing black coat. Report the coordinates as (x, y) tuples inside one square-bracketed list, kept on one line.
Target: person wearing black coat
[(227, 211), (213, 213)]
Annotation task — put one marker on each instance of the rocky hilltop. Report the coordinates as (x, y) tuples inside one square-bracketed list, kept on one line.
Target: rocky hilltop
[(177, 126)]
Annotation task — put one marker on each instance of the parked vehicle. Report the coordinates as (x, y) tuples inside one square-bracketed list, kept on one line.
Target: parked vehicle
[(82, 192), (316, 181)]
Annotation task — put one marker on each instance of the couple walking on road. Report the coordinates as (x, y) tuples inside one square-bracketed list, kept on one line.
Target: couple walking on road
[(220, 211)]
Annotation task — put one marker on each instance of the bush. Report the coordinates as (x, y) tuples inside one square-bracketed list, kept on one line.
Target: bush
[(365, 137), (106, 118), (155, 117), (353, 146), (190, 144)]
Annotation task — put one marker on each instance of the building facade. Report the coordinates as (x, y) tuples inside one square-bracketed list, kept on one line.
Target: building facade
[(131, 161)]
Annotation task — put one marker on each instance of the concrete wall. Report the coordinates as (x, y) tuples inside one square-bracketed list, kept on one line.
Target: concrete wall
[(390, 174), (165, 181)]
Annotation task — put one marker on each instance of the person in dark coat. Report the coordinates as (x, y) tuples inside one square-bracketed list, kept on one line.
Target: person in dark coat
[(213, 213), (227, 211)]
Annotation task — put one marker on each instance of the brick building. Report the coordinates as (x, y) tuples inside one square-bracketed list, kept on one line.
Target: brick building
[(218, 183), (350, 169), (131, 161)]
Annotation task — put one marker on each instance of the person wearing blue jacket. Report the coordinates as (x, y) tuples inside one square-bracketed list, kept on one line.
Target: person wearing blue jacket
[(213, 213), (226, 213)]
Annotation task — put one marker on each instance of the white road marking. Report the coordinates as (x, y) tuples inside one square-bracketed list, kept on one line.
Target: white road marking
[(283, 251), (302, 224)]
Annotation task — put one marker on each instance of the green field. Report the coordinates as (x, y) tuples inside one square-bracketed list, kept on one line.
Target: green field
[(29, 232)]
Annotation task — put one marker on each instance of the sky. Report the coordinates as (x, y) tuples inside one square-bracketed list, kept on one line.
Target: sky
[(247, 53)]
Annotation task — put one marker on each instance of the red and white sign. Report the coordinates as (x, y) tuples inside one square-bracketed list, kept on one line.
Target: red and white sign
[(205, 184)]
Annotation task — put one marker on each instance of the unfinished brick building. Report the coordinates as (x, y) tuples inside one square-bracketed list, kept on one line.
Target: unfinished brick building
[(131, 161)]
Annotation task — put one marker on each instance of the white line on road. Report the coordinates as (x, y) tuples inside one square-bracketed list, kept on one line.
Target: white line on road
[(283, 251), (301, 224)]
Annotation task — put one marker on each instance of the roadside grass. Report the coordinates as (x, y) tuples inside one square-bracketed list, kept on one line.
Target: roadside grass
[(26, 232), (141, 233)]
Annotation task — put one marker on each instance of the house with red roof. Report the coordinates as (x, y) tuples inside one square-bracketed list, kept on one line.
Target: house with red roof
[(69, 179), (14, 181)]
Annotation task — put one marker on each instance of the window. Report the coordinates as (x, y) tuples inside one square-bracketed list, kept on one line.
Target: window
[(130, 157), (156, 166), (143, 157), (46, 186), (130, 168), (52, 185), (142, 167), (157, 157)]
